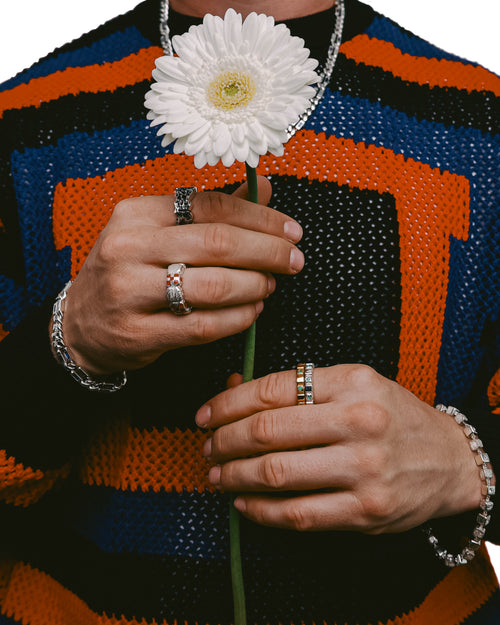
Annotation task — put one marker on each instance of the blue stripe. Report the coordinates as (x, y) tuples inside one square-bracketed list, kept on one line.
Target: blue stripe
[(112, 48), (5, 620), (462, 151), (386, 30), (37, 171), (185, 524)]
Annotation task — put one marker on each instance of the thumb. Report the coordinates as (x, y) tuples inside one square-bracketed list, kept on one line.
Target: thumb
[(264, 190)]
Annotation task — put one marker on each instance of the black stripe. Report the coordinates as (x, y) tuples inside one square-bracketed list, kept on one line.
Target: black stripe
[(350, 287), (289, 577), (450, 106), (46, 416)]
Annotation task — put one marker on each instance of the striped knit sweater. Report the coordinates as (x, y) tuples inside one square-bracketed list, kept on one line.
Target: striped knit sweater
[(107, 517)]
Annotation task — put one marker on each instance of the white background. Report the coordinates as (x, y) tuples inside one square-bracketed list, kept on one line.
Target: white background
[(29, 29)]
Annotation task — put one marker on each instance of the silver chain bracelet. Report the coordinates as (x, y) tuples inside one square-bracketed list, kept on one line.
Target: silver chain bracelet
[(487, 492), (112, 383)]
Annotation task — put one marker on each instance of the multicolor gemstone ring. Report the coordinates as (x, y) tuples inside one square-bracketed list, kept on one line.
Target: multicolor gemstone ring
[(304, 376)]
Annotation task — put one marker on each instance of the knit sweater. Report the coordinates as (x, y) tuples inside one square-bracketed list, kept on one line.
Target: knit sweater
[(107, 514)]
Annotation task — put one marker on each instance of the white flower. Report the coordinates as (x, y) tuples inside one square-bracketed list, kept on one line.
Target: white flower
[(232, 90)]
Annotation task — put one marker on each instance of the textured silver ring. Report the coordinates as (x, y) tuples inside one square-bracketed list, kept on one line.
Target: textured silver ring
[(175, 294), (182, 205)]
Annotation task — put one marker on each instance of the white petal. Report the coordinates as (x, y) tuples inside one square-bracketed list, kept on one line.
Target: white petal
[(180, 145), (238, 133), (252, 159), (228, 158), (200, 160), (241, 150), (222, 139)]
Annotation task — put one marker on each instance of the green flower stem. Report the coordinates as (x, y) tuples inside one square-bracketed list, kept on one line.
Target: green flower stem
[(240, 616)]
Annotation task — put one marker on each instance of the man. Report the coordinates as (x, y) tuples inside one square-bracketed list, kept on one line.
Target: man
[(111, 511)]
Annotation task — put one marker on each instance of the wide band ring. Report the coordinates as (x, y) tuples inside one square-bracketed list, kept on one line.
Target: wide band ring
[(175, 294), (304, 376), (182, 205)]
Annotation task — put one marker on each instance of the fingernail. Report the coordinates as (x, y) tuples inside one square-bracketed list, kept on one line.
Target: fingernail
[(214, 476), (207, 448), (259, 307), (239, 504), (296, 260), (271, 284), (293, 231), (203, 415)]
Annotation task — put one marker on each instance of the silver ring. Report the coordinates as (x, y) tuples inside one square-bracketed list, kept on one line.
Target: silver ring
[(175, 294), (182, 205), (308, 377)]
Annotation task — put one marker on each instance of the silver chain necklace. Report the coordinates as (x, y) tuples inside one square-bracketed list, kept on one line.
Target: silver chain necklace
[(325, 74)]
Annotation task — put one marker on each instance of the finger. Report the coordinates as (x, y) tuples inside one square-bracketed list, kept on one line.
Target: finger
[(206, 287), (308, 469), (264, 190), (276, 390), (165, 331), (295, 427), (214, 244), (212, 207), (354, 383), (313, 512), (235, 379)]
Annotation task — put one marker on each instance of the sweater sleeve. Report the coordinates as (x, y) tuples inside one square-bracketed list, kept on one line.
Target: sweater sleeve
[(46, 416)]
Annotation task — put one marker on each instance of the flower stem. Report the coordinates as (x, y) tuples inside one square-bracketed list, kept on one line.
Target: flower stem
[(240, 617)]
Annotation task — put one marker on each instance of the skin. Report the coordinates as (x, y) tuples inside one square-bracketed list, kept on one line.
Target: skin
[(279, 9), (367, 456)]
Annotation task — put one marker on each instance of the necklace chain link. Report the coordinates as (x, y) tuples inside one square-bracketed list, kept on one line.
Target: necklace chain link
[(325, 74)]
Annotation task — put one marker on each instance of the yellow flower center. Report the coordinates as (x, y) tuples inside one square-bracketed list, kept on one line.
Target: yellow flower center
[(231, 90)]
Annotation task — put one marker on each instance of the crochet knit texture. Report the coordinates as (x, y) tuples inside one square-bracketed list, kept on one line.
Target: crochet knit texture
[(107, 515)]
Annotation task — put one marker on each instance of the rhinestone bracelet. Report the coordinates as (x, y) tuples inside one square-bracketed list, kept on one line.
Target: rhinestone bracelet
[(487, 492), (110, 384)]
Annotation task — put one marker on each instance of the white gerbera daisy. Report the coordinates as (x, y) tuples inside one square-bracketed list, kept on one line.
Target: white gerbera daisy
[(232, 90)]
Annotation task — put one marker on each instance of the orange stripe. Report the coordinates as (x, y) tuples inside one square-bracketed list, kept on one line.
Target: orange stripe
[(89, 79), (126, 458), (22, 485), (463, 591), (431, 205), (35, 598), (3, 332), (432, 72)]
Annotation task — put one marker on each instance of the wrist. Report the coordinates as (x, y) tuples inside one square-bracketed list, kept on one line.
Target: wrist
[(486, 491), (106, 383)]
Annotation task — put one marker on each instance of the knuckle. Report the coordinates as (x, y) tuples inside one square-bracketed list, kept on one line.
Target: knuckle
[(370, 418), (270, 390), (203, 329), (273, 472), (212, 204), (217, 287), (114, 246), (377, 507), (373, 463), (299, 516), (263, 429), (218, 241), (362, 376), (124, 207), (219, 440)]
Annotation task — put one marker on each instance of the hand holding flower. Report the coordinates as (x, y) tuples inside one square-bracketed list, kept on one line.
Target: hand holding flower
[(117, 316)]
